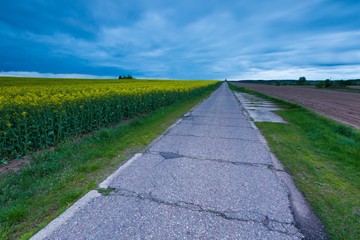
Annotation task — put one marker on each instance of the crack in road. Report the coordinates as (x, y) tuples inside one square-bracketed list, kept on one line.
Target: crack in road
[(187, 122), (273, 168), (220, 124), (170, 155), (225, 138), (287, 228), (261, 165), (203, 116)]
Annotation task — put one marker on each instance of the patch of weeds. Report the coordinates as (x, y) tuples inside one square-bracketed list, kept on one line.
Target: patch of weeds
[(345, 131), (106, 191), (102, 135), (3, 162), (70, 197), (136, 122), (90, 167), (14, 214)]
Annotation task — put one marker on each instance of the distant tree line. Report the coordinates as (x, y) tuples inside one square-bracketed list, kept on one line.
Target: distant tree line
[(336, 84), (303, 81), (126, 77), (271, 82)]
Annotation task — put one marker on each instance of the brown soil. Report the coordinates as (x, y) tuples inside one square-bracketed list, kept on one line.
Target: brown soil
[(13, 165), (340, 106)]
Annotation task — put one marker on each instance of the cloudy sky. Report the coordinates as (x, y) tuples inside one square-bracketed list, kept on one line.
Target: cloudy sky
[(187, 39)]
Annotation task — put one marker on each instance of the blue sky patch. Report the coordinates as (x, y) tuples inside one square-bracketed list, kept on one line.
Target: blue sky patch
[(278, 39)]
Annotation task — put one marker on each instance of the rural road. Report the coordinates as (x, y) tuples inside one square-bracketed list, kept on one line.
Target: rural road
[(210, 176)]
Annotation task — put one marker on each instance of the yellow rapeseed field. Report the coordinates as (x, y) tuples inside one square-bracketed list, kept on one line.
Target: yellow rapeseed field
[(37, 113)]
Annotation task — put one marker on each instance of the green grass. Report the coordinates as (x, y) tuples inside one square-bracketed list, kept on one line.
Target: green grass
[(323, 157), (56, 178)]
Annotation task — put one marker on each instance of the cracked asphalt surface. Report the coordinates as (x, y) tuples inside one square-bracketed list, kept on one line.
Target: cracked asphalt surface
[(208, 177)]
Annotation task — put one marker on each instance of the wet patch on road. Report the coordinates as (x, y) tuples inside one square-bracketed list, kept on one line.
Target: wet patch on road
[(259, 109)]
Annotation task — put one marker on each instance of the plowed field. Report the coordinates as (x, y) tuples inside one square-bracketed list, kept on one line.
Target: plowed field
[(340, 106)]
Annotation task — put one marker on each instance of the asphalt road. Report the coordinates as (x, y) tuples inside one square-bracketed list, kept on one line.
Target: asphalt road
[(208, 177)]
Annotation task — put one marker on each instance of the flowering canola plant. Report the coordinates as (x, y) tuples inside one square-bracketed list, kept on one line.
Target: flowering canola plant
[(37, 113)]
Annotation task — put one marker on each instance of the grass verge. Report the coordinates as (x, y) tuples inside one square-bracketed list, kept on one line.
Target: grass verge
[(323, 157), (55, 179)]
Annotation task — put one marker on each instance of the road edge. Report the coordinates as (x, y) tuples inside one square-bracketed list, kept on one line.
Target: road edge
[(305, 219), (60, 220)]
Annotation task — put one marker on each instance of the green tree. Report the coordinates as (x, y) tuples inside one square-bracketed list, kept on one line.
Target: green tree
[(126, 77), (302, 81), (328, 83)]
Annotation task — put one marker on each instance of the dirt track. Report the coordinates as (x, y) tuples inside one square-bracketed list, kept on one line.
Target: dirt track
[(340, 106)]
